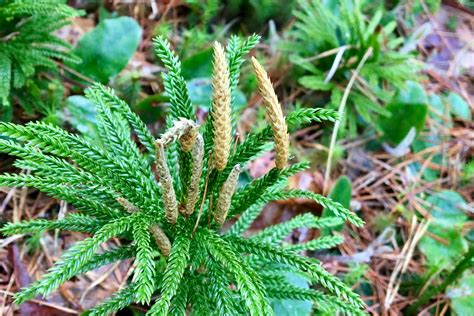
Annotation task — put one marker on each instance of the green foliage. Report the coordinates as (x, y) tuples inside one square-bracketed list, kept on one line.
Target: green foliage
[(256, 14), (447, 209), (27, 44), (175, 85), (207, 9), (327, 42), (236, 50), (107, 48), (275, 234), (325, 242), (468, 171), (144, 274), (403, 117), (198, 65), (286, 306), (73, 260), (340, 192), (462, 303), (408, 109), (74, 222), (40, 95), (112, 183), (173, 274), (253, 15), (461, 294), (81, 114), (118, 301), (459, 107)]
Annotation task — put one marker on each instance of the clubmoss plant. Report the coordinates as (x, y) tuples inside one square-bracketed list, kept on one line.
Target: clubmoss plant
[(328, 42), (27, 43), (168, 201)]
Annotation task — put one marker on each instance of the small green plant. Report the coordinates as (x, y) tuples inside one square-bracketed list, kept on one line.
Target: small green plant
[(27, 44), (204, 11), (329, 41), (463, 265), (185, 262), (248, 14)]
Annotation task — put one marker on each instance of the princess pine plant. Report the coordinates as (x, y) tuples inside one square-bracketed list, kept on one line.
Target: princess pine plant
[(27, 44), (168, 198), (328, 43)]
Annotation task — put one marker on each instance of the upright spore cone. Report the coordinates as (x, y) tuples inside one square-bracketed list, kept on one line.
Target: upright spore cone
[(274, 114), (221, 114)]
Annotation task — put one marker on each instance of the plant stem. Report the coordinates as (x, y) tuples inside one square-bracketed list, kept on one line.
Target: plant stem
[(464, 264), (342, 107)]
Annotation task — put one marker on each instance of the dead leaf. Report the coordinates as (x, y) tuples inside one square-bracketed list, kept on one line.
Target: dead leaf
[(23, 279)]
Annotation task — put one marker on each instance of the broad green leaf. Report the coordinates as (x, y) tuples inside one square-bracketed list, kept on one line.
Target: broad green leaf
[(403, 117), (408, 109), (81, 114), (200, 92), (436, 103), (413, 93), (438, 111), (428, 173), (445, 249), (198, 65), (462, 295), (448, 208), (445, 240), (106, 50), (341, 192), (149, 109), (293, 307), (459, 107)]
